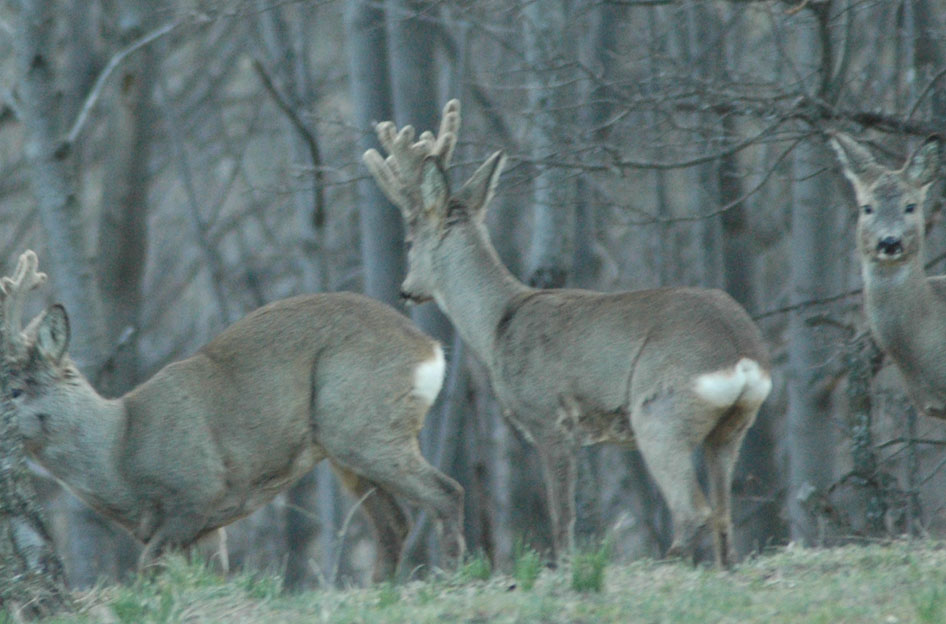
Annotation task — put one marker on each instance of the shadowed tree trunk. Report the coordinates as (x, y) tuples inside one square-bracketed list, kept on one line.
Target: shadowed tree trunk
[(122, 254), (411, 39), (32, 581), (312, 510), (31, 575), (52, 174), (814, 227), (553, 229), (382, 236)]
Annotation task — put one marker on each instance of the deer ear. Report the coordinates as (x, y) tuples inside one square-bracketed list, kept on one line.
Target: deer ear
[(481, 186), (434, 189), (857, 163), (52, 334), (922, 166)]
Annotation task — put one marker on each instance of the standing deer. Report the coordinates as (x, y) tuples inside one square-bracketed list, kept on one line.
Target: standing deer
[(211, 438), (905, 309), (669, 369)]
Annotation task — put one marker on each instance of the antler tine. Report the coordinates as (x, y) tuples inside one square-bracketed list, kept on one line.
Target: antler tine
[(13, 292), (447, 136), (427, 141), (383, 171), (401, 170)]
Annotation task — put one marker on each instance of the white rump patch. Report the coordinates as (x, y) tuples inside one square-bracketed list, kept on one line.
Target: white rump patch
[(745, 382), (428, 376)]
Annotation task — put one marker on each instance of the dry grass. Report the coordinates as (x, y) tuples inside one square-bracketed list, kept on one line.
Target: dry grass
[(892, 583)]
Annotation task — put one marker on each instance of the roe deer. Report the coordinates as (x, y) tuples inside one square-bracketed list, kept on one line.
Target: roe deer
[(905, 309), (211, 438), (667, 369)]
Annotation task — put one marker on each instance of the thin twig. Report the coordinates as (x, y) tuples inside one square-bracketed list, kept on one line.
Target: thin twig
[(732, 204), (805, 304), (911, 441), (93, 97), (343, 532), (305, 133)]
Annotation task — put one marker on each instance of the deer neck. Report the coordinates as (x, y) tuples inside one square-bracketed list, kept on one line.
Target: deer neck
[(474, 289), (898, 301), (85, 451)]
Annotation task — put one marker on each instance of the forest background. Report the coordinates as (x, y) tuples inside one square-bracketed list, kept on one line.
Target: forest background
[(178, 164)]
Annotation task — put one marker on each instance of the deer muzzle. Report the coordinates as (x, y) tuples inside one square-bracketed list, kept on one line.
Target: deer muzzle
[(890, 247), (412, 298)]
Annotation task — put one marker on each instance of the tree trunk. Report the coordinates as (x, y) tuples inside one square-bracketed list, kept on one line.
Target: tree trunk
[(411, 40), (123, 232), (312, 512), (122, 254), (382, 235), (811, 434), (31, 575), (929, 55), (52, 175), (553, 227), (53, 180), (602, 47)]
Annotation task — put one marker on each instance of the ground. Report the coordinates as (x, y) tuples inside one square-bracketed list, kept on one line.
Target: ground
[(890, 583)]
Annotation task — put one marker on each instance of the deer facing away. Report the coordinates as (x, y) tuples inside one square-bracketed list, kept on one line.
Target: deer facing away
[(905, 309), (667, 369), (211, 438)]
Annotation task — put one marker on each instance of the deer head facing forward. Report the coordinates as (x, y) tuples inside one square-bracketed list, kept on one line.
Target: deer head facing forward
[(890, 222), (904, 307)]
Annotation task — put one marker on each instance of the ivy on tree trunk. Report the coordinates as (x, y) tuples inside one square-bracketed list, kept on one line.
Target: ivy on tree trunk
[(31, 575)]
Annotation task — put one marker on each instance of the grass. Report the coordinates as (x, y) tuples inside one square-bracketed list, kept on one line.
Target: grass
[(895, 583), (476, 567), (588, 565), (526, 565)]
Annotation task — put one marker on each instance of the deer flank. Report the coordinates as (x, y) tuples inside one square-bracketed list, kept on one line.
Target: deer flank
[(669, 369), (209, 439)]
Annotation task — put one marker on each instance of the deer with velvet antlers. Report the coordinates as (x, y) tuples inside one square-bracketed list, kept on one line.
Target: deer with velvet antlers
[(211, 438), (905, 309), (668, 369)]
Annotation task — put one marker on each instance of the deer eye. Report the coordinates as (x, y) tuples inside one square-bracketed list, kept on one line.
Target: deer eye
[(868, 209), (16, 393), (910, 208)]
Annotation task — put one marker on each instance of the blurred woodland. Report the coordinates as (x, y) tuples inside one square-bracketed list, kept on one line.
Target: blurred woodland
[(178, 164)]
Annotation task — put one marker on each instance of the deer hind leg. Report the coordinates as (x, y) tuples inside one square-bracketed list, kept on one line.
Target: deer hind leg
[(666, 443), (441, 496), (180, 529), (721, 450), (398, 467), (560, 470), (212, 548), (557, 454), (390, 523)]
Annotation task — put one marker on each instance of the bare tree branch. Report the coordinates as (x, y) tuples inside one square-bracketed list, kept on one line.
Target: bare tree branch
[(307, 136), (93, 97)]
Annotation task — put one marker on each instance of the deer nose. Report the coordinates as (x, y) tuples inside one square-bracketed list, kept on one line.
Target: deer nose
[(889, 245)]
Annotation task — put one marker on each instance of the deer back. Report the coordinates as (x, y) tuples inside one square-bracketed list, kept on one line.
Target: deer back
[(248, 406), (609, 351), (212, 437)]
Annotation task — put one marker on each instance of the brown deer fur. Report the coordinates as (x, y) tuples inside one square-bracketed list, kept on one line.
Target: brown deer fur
[(668, 369), (905, 309), (211, 438)]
